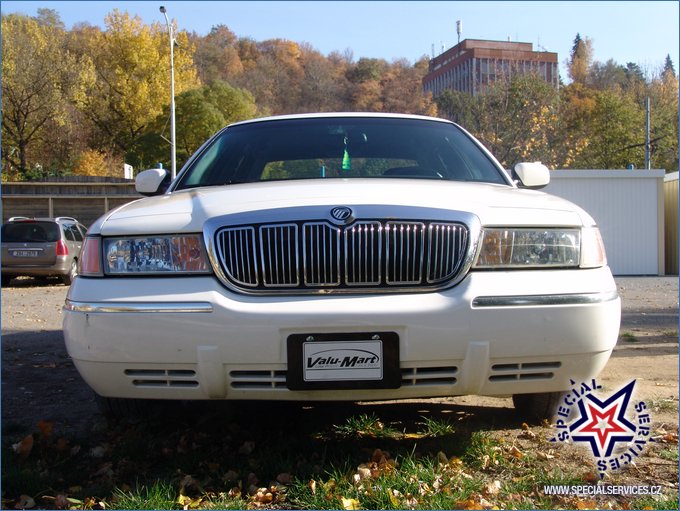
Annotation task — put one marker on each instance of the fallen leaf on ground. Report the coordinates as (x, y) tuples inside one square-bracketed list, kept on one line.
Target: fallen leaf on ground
[(25, 502), (45, 428), (24, 447), (350, 503)]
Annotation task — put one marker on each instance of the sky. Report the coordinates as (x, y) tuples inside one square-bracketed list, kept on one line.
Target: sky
[(625, 31)]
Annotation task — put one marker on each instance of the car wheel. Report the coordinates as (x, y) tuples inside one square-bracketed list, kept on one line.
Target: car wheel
[(6, 279), (537, 407), (72, 272)]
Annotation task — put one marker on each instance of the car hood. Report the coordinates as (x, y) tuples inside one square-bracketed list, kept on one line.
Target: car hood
[(188, 210)]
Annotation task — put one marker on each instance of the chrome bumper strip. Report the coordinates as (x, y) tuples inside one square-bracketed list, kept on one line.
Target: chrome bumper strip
[(139, 307), (538, 300)]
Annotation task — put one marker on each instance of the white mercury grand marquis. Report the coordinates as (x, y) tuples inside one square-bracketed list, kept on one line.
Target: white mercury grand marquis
[(342, 257)]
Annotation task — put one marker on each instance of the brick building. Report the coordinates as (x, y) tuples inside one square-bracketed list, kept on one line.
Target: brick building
[(473, 64)]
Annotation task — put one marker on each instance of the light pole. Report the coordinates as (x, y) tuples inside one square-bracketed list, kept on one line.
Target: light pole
[(173, 154)]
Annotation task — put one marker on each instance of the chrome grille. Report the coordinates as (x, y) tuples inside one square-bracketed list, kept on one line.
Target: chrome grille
[(387, 255)]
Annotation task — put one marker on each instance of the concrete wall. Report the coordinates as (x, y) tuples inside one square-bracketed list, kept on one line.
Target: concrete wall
[(628, 207)]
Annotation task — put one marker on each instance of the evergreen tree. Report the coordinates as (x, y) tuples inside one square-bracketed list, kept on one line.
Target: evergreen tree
[(580, 59), (668, 68)]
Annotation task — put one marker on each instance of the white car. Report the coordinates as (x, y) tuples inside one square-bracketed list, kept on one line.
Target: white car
[(342, 257)]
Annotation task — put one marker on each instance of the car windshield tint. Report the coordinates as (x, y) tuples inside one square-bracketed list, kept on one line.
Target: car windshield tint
[(340, 148), (30, 232)]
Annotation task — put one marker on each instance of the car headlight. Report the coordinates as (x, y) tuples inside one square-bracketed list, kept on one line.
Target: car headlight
[(183, 254), (529, 248)]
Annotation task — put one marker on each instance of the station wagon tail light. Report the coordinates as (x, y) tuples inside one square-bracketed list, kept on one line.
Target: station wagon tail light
[(90, 262), (182, 254), (62, 249)]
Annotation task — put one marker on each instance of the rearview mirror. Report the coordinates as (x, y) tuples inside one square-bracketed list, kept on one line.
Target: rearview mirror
[(152, 182), (532, 175)]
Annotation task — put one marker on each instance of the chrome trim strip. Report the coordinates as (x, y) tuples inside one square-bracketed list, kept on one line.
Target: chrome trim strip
[(542, 300), (139, 307)]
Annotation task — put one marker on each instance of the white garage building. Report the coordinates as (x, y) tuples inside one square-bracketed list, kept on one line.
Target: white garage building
[(628, 207)]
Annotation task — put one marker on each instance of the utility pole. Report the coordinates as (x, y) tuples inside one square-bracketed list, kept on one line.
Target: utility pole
[(648, 148), (173, 152)]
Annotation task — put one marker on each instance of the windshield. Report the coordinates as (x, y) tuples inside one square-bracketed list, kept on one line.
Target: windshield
[(22, 232), (340, 147)]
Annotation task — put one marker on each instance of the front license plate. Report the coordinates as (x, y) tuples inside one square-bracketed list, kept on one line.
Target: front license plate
[(343, 361), (24, 253)]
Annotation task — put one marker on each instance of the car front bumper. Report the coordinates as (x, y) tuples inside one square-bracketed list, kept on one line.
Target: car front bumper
[(495, 333)]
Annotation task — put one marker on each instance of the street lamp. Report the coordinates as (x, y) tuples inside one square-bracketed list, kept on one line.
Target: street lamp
[(173, 154)]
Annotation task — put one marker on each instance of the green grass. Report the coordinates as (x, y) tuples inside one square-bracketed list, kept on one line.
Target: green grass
[(158, 495), (436, 427), (364, 425), (628, 337), (273, 457), (669, 454), (664, 405)]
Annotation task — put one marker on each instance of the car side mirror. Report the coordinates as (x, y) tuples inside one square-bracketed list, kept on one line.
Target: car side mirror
[(532, 175), (152, 182)]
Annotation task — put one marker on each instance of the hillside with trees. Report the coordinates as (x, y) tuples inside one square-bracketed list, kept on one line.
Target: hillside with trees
[(84, 101)]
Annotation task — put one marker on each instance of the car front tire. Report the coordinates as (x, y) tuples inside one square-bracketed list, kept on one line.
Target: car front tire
[(537, 407)]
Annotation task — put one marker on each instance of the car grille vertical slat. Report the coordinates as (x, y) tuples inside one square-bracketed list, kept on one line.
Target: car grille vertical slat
[(405, 252), (371, 254), (363, 247), (321, 256), (236, 248), (279, 255), (447, 245)]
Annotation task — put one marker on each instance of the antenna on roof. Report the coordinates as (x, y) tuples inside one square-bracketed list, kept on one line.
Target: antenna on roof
[(459, 29), (442, 45), (432, 50)]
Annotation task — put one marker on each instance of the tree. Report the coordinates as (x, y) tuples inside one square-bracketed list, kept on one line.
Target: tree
[(200, 113), (402, 89), (580, 59), (133, 79), (607, 75), (216, 56), (668, 68), (274, 76), (38, 79), (324, 85), (663, 93), (614, 133)]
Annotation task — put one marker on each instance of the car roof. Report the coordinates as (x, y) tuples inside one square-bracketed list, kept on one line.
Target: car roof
[(334, 115), (58, 219)]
